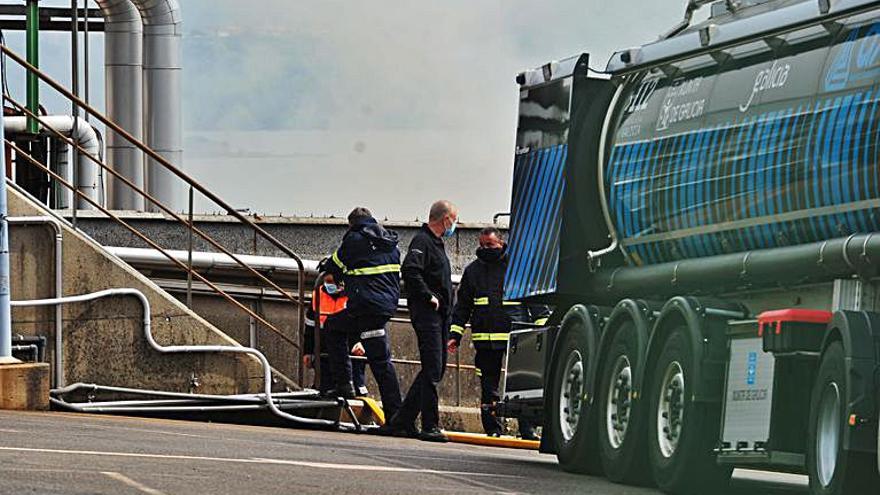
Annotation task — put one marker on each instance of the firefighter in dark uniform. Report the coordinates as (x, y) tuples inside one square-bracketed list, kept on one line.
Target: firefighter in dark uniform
[(332, 298), (369, 263), (480, 302), (428, 280)]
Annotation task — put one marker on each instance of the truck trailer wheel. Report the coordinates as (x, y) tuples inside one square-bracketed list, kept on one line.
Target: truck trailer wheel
[(681, 433), (832, 470), (569, 417), (620, 416)]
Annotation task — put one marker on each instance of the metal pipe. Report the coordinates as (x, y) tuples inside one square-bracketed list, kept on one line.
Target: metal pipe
[(163, 33), (124, 81), (59, 152), (178, 395), (596, 256), (205, 261), (856, 255), (5, 311), (181, 349), (59, 285), (83, 133), (74, 78), (33, 56), (204, 409)]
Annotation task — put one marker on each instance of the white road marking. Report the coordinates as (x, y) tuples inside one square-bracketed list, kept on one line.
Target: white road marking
[(2, 430), (132, 483), (283, 462)]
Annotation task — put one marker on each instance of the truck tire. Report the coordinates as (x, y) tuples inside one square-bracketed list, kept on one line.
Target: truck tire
[(570, 418), (620, 415), (832, 470), (681, 432)]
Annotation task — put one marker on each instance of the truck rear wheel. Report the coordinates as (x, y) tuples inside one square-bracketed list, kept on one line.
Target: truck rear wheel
[(681, 433), (832, 470), (620, 414), (570, 415)]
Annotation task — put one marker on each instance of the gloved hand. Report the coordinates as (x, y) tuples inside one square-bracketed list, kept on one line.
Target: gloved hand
[(309, 360), (452, 345)]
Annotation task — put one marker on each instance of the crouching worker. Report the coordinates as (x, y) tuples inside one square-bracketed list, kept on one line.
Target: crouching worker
[(330, 299), (369, 263), (480, 301)]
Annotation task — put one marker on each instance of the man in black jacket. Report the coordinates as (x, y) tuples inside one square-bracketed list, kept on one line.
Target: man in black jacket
[(428, 279), (480, 301), (369, 262)]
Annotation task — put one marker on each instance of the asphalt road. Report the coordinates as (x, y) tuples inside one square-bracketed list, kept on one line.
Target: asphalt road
[(81, 454)]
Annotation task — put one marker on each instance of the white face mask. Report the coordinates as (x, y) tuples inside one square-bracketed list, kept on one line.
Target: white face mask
[(331, 288)]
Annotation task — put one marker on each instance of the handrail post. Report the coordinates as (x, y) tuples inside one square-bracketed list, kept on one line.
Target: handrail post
[(457, 377), (189, 255), (316, 351)]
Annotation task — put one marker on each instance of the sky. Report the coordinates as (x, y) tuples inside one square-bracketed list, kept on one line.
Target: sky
[(309, 108)]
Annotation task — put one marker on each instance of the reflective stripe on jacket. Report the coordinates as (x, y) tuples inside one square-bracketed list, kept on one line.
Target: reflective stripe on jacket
[(479, 302)]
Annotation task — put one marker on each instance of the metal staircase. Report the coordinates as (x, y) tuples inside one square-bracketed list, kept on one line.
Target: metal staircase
[(295, 296)]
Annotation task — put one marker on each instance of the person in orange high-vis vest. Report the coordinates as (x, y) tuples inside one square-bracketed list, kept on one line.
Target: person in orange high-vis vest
[(333, 300)]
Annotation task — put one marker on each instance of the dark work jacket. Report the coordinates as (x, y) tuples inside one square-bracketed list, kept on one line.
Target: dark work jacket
[(369, 262), (480, 301), (426, 273)]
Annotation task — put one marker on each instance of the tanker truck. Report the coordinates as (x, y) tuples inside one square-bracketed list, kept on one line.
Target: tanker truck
[(703, 213)]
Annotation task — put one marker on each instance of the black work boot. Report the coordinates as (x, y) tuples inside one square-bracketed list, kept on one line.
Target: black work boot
[(433, 434), (395, 427), (347, 391)]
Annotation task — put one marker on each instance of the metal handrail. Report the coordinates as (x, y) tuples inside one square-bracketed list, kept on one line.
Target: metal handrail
[(180, 174), (150, 198), (147, 240)]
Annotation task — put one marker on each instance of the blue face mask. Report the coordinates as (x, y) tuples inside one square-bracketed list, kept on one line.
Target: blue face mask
[(451, 230), (331, 288)]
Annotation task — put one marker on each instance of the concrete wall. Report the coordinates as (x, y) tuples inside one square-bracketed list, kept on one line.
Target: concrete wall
[(103, 340)]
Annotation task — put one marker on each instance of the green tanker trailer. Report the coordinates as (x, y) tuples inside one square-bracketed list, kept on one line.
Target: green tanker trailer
[(704, 215)]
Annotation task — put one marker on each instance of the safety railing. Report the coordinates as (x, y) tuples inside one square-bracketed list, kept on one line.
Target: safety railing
[(316, 351), (193, 186)]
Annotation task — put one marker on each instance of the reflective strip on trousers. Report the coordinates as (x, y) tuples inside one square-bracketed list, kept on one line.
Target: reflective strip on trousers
[(477, 337), (457, 329), (484, 301), (372, 334)]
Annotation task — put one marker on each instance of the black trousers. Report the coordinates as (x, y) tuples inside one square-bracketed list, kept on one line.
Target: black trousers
[(373, 334), (432, 332), (358, 374), (488, 363)]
